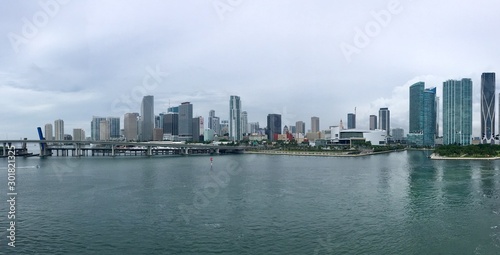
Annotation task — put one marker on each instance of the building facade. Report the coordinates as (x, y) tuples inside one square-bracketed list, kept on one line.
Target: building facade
[(488, 107), (78, 134), (235, 118), (186, 121), (351, 121), (384, 118), (373, 122), (244, 122), (314, 124), (457, 112), (300, 127), (59, 129), (273, 126), (147, 118), (130, 122), (49, 135)]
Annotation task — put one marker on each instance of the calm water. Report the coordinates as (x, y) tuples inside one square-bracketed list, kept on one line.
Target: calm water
[(399, 203)]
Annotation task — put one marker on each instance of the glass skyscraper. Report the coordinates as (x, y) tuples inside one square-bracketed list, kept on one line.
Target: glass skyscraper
[(273, 126), (351, 121), (185, 121), (416, 100), (147, 118), (384, 118), (487, 107), (423, 115), (235, 118), (457, 112), (429, 117)]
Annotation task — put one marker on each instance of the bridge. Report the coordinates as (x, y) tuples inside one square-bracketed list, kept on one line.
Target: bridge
[(114, 148)]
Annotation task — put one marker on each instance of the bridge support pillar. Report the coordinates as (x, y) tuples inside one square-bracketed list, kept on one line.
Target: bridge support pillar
[(149, 151), (112, 150)]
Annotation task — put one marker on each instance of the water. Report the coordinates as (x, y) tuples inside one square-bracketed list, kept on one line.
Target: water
[(398, 203)]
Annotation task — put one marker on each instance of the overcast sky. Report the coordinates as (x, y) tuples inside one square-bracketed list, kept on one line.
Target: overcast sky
[(71, 60)]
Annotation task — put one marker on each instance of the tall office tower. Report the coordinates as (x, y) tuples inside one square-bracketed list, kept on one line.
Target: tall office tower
[(416, 100), (373, 122), (95, 128), (429, 120), (274, 126), (130, 126), (78, 134), (254, 127), (157, 134), (436, 107), (351, 121), (59, 130), (48, 132), (301, 127), (211, 115), (173, 109), (198, 128), (171, 126), (186, 121), (293, 129), (114, 127), (285, 129), (488, 107), (159, 121), (244, 122), (224, 127), (104, 130), (147, 118), (235, 118), (457, 112), (384, 118), (314, 124)]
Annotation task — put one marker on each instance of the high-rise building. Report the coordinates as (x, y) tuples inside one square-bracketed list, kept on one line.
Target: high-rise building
[(104, 130), (254, 127), (437, 116), (373, 122), (186, 121), (274, 126), (78, 134), (301, 127), (285, 129), (384, 119), (224, 127), (351, 121), (244, 122), (314, 124), (95, 128), (429, 117), (198, 129), (488, 107), (147, 118), (157, 134), (457, 112), (171, 126), (293, 129), (398, 134), (173, 109), (114, 127), (49, 132), (130, 122), (416, 114), (59, 130), (235, 118)]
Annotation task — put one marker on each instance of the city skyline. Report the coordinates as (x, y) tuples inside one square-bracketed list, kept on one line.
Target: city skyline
[(293, 65)]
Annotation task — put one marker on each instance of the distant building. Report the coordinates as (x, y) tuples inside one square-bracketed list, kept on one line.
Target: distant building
[(488, 107), (398, 134), (300, 127), (285, 129), (208, 135), (49, 132), (198, 128), (235, 118), (224, 127), (214, 122), (314, 124), (293, 129), (423, 115), (114, 127), (457, 112), (351, 121), (157, 134), (130, 122), (104, 130), (171, 126), (147, 118), (373, 122), (95, 132), (273, 126), (186, 121), (384, 118), (244, 122), (59, 129), (78, 134), (254, 127)]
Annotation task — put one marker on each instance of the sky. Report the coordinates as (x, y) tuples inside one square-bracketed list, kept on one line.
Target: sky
[(72, 60)]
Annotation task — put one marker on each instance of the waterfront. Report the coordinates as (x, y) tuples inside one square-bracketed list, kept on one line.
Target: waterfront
[(395, 203)]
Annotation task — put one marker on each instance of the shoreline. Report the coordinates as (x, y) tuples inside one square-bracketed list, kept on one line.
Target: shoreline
[(319, 154), (436, 157)]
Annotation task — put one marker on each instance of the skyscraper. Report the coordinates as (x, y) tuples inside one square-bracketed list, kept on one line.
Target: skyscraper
[(416, 100), (235, 118), (186, 121), (95, 132), (147, 118), (78, 134), (254, 127), (273, 126), (49, 132), (114, 127), (59, 129), (171, 126), (351, 121), (429, 117), (384, 118), (130, 122), (214, 122), (314, 124), (457, 112), (244, 122), (104, 130), (197, 128), (300, 127), (488, 107), (373, 122)]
